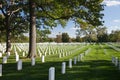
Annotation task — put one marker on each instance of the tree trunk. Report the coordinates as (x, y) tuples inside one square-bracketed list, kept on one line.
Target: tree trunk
[(8, 35), (32, 33)]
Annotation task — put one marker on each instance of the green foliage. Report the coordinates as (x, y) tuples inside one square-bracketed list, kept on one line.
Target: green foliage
[(114, 36), (42, 35), (13, 18), (78, 39), (102, 34), (65, 37)]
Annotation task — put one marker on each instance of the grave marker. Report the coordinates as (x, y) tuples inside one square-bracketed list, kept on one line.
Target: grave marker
[(33, 61), (23, 54), (43, 59), (0, 55), (70, 63), (19, 65), (63, 68), (17, 58), (51, 73), (4, 60), (8, 54)]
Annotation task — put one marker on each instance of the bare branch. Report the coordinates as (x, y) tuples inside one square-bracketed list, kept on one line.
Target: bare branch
[(16, 10)]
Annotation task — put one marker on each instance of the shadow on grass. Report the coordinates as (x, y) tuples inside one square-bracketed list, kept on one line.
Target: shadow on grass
[(88, 70)]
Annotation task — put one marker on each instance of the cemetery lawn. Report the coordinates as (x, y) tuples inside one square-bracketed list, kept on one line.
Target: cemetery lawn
[(96, 65)]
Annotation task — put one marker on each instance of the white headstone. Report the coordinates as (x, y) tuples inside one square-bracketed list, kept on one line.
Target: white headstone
[(0, 54), (43, 58), (51, 73), (75, 60), (116, 61), (4, 59), (33, 61), (0, 69), (19, 65), (70, 63), (3, 51), (23, 54), (17, 58), (8, 54), (63, 68)]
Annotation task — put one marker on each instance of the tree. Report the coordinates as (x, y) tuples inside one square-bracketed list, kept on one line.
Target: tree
[(101, 34), (59, 38), (114, 36), (65, 37), (12, 17), (42, 35), (78, 39), (2, 29), (52, 12), (32, 34)]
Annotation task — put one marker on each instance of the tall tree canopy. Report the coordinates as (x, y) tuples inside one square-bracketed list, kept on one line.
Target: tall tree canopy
[(65, 37)]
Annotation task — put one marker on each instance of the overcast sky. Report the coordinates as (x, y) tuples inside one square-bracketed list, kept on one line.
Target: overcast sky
[(111, 18)]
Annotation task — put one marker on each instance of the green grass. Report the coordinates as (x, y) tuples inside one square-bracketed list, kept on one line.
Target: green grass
[(95, 66)]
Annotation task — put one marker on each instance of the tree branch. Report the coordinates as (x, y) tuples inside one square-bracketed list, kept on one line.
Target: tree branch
[(16, 10)]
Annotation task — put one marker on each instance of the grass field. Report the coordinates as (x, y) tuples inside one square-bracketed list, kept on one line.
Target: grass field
[(96, 65)]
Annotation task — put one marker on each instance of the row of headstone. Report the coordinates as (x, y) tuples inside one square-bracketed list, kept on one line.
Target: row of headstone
[(115, 48), (60, 55), (19, 62), (63, 68), (63, 54)]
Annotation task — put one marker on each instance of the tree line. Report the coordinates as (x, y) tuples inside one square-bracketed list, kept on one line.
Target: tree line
[(98, 35)]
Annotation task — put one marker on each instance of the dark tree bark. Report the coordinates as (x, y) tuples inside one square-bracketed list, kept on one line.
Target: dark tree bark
[(8, 34), (32, 33)]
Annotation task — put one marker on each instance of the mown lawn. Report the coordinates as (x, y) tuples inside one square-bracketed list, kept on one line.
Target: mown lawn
[(94, 66)]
